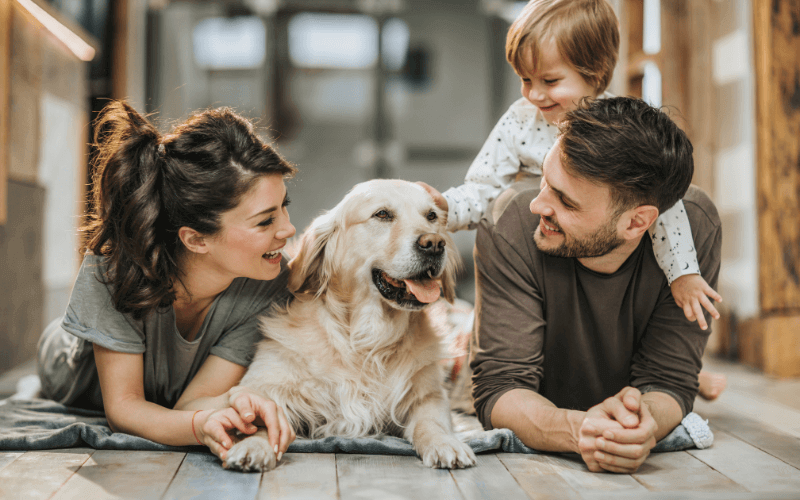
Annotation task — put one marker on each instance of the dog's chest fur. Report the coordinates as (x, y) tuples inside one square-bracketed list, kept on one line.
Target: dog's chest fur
[(346, 380)]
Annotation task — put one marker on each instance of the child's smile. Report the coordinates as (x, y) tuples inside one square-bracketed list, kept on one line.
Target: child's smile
[(556, 87)]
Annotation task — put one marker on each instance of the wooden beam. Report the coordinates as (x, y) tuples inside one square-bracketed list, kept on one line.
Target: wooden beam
[(776, 30), (674, 60), (5, 103), (119, 50), (700, 98)]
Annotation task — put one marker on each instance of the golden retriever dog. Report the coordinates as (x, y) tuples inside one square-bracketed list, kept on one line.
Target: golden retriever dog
[(354, 354)]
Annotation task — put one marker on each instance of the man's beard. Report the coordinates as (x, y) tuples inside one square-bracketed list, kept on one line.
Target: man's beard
[(600, 243)]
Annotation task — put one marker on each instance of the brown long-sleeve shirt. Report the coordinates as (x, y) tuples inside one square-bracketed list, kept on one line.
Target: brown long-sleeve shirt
[(576, 336)]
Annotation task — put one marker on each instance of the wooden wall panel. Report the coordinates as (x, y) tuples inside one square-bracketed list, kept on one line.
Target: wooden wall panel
[(700, 87), (673, 61), (5, 89), (776, 28)]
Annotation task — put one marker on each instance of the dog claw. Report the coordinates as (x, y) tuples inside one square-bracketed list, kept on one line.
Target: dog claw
[(251, 454)]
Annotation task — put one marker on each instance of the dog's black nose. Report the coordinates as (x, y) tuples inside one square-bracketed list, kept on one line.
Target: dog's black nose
[(431, 244)]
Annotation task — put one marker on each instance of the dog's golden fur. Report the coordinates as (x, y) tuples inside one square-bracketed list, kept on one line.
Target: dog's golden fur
[(346, 359)]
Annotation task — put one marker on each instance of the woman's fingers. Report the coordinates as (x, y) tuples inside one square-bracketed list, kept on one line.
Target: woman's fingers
[(244, 406), (215, 432), (287, 433), (218, 450), (230, 419), (268, 411)]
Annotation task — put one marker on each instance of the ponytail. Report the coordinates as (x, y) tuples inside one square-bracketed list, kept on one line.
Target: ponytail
[(124, 223)]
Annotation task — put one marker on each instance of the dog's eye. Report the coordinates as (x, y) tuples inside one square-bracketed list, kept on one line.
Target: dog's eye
[(383, 214), (432, 216)]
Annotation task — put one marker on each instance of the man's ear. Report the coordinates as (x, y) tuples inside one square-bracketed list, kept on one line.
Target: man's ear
[(638, 220), (192, 240)]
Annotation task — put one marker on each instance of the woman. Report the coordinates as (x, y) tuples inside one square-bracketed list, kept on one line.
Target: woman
[(183, 254)]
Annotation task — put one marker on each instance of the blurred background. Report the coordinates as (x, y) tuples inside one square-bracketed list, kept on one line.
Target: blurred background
[(350, 90)]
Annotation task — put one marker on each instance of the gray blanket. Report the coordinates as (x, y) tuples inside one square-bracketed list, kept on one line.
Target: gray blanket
[(39, 424)]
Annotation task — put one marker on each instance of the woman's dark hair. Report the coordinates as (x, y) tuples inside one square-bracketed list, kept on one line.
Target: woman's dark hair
[(631, 147), (146, 187)]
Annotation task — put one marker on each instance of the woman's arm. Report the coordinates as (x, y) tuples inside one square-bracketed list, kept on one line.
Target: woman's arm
[(208, 390), (122, 383)]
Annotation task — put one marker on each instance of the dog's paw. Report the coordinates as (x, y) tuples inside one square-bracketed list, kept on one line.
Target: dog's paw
[(251, 454), (446, 452)]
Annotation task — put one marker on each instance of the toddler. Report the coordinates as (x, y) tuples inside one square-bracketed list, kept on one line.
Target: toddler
[(564, 51)]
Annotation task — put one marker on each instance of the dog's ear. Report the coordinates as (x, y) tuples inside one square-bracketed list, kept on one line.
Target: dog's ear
[(451, 268), (310, 271)]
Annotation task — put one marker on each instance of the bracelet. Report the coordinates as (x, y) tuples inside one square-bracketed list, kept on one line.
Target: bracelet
[(193, 432)]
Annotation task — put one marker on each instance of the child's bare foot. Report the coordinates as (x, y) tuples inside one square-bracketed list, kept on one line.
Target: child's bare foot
[(711, 385)]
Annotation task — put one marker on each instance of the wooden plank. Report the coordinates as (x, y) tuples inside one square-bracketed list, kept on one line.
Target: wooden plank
[(777, 61), (538, 477), (753, 432), (680, 471), (574, 471), (301, 476), (201, 476), (748, 466), (39, 474), (5, 103), (392, 477), (488, 480), (130, 474), (8, 457)]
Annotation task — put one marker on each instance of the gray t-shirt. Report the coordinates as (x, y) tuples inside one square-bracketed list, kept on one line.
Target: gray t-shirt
[(229, 330), (575, 336)]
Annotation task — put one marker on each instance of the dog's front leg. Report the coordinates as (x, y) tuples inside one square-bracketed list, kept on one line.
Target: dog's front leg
[(430, 429)]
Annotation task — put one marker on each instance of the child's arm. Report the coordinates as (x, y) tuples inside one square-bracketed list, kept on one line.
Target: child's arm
[(492, 171), (675, 254)]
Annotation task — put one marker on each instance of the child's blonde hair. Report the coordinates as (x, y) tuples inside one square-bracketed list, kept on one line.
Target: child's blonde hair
[(586, 33)]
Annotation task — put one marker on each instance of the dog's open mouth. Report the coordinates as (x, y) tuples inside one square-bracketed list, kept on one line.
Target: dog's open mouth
[(411, 292)]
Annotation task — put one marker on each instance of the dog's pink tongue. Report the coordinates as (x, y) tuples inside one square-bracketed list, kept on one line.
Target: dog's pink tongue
[(425, 291)]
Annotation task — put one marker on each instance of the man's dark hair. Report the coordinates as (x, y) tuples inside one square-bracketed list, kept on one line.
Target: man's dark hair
[(630, 146)]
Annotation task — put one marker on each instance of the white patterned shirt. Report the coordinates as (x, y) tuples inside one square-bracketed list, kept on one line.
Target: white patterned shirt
[(519, 143)]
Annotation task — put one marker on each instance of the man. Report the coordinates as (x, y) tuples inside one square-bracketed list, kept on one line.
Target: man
[(581, 346)]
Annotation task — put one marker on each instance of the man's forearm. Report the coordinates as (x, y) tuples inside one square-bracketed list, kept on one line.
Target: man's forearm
[(665, 411), (537, 421)]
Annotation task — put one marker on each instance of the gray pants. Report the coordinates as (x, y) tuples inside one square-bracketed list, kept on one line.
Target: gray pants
[(67, 369)]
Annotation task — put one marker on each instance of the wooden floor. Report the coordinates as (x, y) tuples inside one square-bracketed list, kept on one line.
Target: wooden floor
[(756, 454)]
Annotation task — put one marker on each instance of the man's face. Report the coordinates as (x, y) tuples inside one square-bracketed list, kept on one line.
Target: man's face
[(577, 216)]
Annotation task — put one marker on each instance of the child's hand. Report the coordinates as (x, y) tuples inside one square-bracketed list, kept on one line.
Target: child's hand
[(690, 292), (440, 200)]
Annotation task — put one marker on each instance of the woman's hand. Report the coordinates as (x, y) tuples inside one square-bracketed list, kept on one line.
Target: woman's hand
[(213, 428), (255, 409)]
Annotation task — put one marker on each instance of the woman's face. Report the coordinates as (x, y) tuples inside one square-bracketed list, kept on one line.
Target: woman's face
[(253, 233)]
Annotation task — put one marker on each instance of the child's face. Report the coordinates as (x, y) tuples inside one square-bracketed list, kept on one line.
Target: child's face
[(556, 88)]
